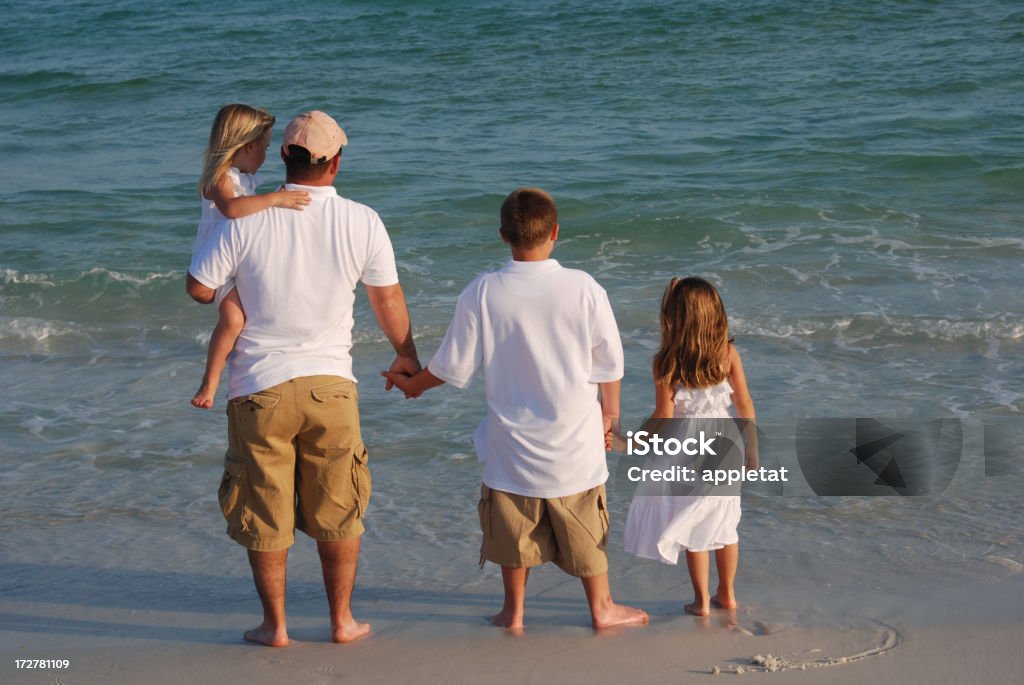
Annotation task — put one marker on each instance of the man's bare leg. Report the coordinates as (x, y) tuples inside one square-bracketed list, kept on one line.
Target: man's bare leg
[(269, 572), (726, 559), (339, 559), (512, 612), (604, 613)]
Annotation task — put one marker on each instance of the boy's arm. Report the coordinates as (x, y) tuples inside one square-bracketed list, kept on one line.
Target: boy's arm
[(610, 393), (388, 304), (744, 407), (234, 206)]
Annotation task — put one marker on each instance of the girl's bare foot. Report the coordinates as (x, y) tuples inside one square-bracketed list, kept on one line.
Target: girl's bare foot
[(508, 618), (698, 609), (722, 601), (619, 615), (266, 636), (349, 631), (203, 398)]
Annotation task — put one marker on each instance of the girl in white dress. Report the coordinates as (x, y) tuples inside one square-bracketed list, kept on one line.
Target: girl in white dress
[(697, 374), (237, 149)]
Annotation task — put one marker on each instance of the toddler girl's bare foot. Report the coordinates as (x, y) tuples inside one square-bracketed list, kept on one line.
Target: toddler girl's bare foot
[(203, 398), (508, 618), (619, 615), (349, 631), (267, 636)]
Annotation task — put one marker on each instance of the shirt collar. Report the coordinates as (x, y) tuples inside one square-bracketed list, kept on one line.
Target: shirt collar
[(315, 191), (542, 266)]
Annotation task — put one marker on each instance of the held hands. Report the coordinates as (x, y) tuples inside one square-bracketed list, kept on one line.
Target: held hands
[(400, 375), (291, 199)]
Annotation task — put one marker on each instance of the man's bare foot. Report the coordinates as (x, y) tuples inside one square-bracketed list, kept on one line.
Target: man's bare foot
[(350, 631), (619, 615), (697, 609), (508, 618), (266, 636), (723, 602), (203, 398)]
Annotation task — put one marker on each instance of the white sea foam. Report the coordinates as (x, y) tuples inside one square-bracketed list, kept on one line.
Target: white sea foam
[(11, 276)]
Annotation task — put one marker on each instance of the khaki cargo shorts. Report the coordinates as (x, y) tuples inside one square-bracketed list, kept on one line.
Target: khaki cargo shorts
[(521, 531), (295, 459)]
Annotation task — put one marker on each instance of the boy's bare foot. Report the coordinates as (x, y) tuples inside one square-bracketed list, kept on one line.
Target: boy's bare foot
[(349, 631), (203, 398), (697, 609), (265, 636), (619, 615), (508, 618), (723, 602)]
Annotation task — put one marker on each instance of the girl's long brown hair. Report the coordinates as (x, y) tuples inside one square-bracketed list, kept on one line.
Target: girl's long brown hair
[(694, 335)]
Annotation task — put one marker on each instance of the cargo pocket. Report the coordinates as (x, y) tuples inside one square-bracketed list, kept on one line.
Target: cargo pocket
[(483, 508), (592, 515), (231, 494), (361, 483), (602, 507)]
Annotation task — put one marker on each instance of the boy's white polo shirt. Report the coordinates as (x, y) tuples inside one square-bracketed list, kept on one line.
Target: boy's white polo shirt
[(545, 336), (296, 273)]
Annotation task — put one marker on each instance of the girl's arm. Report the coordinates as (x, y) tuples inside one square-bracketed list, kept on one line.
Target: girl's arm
[(744, 406), (664, 407), (234, 207)]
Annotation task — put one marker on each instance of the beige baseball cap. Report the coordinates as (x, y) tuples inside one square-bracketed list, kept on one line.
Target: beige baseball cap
[(316, 132)]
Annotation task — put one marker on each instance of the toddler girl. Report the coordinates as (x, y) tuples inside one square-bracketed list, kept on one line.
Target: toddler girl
[(237, 149), (697, 374)]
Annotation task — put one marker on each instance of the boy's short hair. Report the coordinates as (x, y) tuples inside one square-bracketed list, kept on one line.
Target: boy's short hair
[(528, 215)]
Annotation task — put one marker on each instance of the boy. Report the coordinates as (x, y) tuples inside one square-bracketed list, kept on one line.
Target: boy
[(547, 340)]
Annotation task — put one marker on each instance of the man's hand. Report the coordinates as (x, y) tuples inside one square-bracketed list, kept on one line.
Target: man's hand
[(402, 367)]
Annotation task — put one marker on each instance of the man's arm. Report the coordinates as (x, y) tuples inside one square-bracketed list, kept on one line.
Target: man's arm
[(388, 304), (199, 292)]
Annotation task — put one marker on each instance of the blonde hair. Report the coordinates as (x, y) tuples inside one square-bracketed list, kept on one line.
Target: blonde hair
[(694, 335), (235, 126)]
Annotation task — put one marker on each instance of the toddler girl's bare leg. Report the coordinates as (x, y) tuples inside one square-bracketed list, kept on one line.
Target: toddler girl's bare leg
[(232, 318), (697, 563), (604, 613), (726, 559), (511, 614)]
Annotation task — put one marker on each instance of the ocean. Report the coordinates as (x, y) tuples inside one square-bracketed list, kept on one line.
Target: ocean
[(848, 174)]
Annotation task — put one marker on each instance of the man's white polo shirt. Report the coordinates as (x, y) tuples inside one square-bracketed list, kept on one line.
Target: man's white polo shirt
[(545, 337), (296, 273)]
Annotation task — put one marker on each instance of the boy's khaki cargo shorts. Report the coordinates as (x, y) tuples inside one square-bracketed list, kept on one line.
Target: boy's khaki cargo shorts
[(521, 531), (295, 459)]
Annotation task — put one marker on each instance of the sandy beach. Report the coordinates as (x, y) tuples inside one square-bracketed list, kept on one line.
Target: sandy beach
[(157, 627)]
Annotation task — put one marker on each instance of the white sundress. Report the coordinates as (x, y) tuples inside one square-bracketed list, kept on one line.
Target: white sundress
[(660, 526), (243, 185)]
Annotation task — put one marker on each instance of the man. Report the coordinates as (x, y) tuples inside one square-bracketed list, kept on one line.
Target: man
[(295, 457)]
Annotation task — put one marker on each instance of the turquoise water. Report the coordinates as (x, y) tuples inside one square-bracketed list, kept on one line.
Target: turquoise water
[(849, 174)]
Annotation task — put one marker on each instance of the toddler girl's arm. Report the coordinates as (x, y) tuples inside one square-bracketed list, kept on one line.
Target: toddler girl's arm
[(233, 207), (744, 406)]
